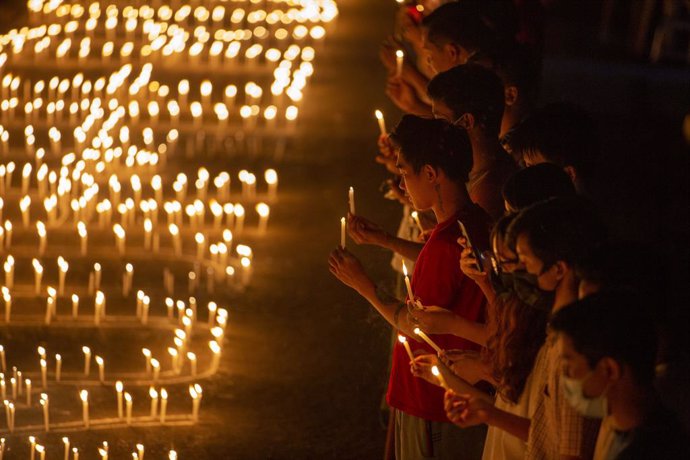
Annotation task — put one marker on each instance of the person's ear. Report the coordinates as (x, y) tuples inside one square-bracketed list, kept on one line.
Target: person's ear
[(429, 173), (611, 369), (510, 94), (466, 121), (571, 172), (560, 269), (453, 52)]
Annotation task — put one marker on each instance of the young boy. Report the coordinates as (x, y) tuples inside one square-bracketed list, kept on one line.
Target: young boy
[(608, 350), (434, 159)]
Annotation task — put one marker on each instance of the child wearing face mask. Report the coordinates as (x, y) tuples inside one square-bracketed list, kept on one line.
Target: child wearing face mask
[(608, 347)]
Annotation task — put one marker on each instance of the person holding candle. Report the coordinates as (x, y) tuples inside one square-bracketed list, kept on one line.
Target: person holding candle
[(434, 159), (472, 97)]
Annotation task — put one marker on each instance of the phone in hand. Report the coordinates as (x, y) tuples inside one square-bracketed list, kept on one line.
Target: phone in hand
[(475, 251)]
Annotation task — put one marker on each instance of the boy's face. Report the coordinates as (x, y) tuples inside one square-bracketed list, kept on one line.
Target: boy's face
[(416, 187), (576, 366), (546, 276)]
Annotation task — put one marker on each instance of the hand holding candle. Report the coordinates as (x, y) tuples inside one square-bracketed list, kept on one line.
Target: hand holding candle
[(426, 338)]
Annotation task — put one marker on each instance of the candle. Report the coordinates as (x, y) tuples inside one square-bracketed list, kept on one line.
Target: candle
[(63, 268), (415, 216), (154, 401), (41, 451), (192, 363), (351, 200), (84, 395), (215, 360), (75, 306), (101, 368), (177, 243), (32, 447), (99, 308), (127, 280), (128, 405), (120, 238), (3, 360), (65, 441), (238, 210), (75, 453), (8, 304), (439, 376), (45, 404), (28, 392), (381, 121), (403, 340), (196, 394), (343, 235), (140, 451), (118, 388), (83, 237), (271, 177), (97, 276), (156, 366), (58, 367), (164, 403), (399, 57), (410, 295), (147, 356), (38, 275), (24, 205), (426, 338), (44, 373), (87, 359)]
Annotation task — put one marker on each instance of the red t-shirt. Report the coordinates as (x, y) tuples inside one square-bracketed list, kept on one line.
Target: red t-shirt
[(438, 280)]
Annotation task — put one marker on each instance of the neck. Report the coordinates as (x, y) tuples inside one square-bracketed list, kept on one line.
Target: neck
[(629, 403), (450, 199), (485, 149), (566, 291)]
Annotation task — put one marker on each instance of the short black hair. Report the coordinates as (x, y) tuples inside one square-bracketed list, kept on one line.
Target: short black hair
[(563, 133), (520, 66), (436, 143), (559, 229), (536, 183), (613, 324), (474, 89), (459, 23)]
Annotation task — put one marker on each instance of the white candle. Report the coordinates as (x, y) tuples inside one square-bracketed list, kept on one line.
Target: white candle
[(128, 405), (75, 453), (156, 366), (127, 280), (65, 441), (8, 304), (87, 359), (196, 394), (147, 356), (97, 276), (46, 416), (271, 177), (215, 360), (426, 338), (32, 447), (154, 401), (38, 275), (439, 376), (28, 392), (118, 388), (343, 234), (164, 403), (101, 368), (3, 360), (63, 267), (84, 395), (403, 340), (410, 295), (75, 306), (192, 363), (381, 121), (58, 367), (351, 200), (83, 237), (140, 451), (44, 373), (399, 57)]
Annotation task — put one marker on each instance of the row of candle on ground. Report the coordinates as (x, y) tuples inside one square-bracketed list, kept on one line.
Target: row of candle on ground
[(125, 406), (179, 11), (181, 356), (69, 451)]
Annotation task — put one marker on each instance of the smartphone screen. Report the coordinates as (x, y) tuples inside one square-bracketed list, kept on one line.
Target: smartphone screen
[(475, 251)]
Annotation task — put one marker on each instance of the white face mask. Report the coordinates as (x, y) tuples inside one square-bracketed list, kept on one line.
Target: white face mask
[(596, 407)]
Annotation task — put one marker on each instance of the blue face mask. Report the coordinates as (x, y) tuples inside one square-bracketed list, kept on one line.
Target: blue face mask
[(596, 407)]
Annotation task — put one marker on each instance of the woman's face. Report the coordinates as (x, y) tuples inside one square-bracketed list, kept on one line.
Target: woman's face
[(507, 260)]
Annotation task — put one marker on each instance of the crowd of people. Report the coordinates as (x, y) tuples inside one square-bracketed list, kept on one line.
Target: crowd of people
[(527, 330)]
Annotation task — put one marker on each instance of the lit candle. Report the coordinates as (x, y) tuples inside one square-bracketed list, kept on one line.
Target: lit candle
[(177, 243), (84, 395), (41, 452), (97, 276), (118, 388), (27, 382), (426, 338), (99, 307), (410, 295), (156, 367), (46, 416), (58, 367), (83, 237), (75, 453), (399, 57), (415, 217), (200, 245), (101, 368), (239, 218), (140, 451), (263, 210), (164, 403), (439, 376), (38, 275), (32, 447), (343, 235), (403, 340), (63, 267), (8, 305), (147, 357), (351, 200), (75, 306), (44, 373), (65, 441), (24, 205), (381, 121), (212, 309), (192, 362), (120, 238), (128, 405), (215, 360), (196, 394), (271, 177), (127, 280), (154, 401), (87, 359)]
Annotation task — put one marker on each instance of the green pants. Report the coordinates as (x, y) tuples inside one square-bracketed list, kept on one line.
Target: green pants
[(417, 439)]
